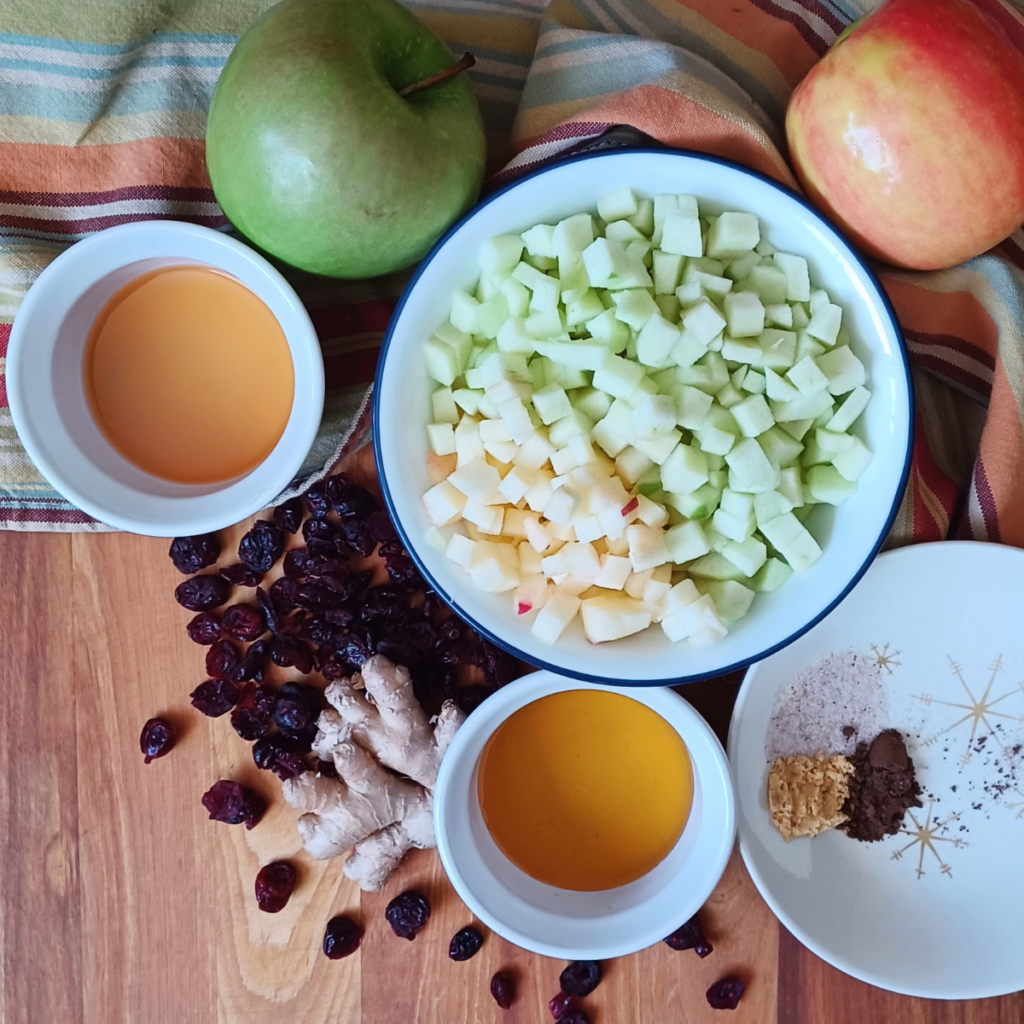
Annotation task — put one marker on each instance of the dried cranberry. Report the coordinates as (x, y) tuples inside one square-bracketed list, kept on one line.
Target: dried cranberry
[(725, 994), (690, 936), (316, 501), (397, 647), (262, 546), (222, 660), (381, 528), (288, 516), (333, 569), (313, 597), (503, 988), (297, 707), (350, 500), (190, 554), (320, 528), (333, 670), (244, 622), (326, 768), (263, 700), (252, 663), (407, 913), (239, 575), (318, 630), (341, 937), (158, 736), (353, 649), (282, 597), (288, 652), (215, 697), (576, 1017), (465, 944), (231, 803), (295, 562), (248, 725), (327, 550), (202, 593), (499, 667), (278, 755), (560, 1005), (581, 977), (357, 535), (274, 885), (469, 698), (400, 569), (204, 629), (355, 585), (391, 547)]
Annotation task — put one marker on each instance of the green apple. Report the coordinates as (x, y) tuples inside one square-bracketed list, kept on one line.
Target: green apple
[(327, 147)]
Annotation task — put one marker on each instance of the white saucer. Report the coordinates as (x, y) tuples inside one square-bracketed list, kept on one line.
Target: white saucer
[(938, 910)]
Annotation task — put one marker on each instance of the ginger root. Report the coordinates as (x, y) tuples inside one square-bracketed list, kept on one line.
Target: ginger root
[(374, 729)]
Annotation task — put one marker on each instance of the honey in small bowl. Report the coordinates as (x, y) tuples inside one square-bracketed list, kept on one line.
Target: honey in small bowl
[(585, 789), (188, 375)]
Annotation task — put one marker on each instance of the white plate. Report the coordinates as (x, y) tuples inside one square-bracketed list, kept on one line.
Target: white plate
[(850, 534), (937, 910)]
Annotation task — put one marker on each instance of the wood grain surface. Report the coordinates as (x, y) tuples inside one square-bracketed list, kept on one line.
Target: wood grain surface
[(121, 902)]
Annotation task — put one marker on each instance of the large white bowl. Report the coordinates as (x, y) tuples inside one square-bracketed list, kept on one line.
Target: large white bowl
[(582, 925), (47, 396), (850, 535)]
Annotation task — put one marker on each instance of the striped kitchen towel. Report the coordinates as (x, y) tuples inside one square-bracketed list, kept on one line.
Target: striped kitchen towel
[(101, 121)]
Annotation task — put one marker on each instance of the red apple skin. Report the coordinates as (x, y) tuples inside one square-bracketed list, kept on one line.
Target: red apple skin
[(909, 133)]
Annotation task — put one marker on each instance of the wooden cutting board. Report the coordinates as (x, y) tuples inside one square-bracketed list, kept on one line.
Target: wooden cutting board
[(121, 902)]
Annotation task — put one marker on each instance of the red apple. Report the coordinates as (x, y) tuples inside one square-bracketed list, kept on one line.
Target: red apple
[(909, 133)]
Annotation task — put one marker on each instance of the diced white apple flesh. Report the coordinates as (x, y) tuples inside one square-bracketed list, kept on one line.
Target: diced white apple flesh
[(568, 354)]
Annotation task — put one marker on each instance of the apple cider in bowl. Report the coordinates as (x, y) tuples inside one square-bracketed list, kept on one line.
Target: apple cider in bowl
[(188, 375), (585, 790)]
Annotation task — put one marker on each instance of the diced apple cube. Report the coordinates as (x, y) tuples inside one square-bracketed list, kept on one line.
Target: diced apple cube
[(514, 525), (583, 560), (540, 492), (777, 388), (562, 505), (617, 205), (681, 234), (459, 549), (852, 462), (636, 582), (808, 346), (770, 576), (807, 378), (634, 306), (748, 555), (653, 415), (464, 310), (769, 282), (770, 504), (733, 233), (684, 470), (789, 537), (751, 467), (714, 566), (778, 348), (444, 503), (573, 234), (442, 362), (615, 571), (656, 340), (703, 321), (798, 281), (650, 512), (604, 327), (441, 438), (668, 269), (828, 485), (846, 415), (562, 461), (688, 350), (843, 370), (690, 619), (442, 403), (803, 407), (791, 487), (631, 464), (479, 481), (513, 337), (531, 595), (494, 576), (692, 407), (825, 323), (529, 560), (744, 315), (539, 240), (487, 519), (468, 401), (658, 449), (584, 309), (686, 541), (780, 314), (732, 600), (647, 547), (612, 616), (534, 452), (557, 613), (517, 296), (753, 416)]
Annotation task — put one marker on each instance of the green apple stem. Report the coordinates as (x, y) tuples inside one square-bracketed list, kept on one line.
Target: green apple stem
[(466, 61)]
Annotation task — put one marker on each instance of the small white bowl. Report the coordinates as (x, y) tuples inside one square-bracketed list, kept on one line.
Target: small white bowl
[(47, 397), (583, 925), (850, 535)]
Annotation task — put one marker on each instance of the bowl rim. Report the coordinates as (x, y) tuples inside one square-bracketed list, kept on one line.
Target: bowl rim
[(468, 616), (543, 683), (303, 336)]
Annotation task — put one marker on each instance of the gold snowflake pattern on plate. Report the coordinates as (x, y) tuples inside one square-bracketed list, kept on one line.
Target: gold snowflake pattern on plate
[(926, 836), (978, 712), (884, 658)]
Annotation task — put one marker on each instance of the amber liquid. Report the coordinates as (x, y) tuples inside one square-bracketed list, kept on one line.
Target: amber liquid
[(585, 790), (188, 375)]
